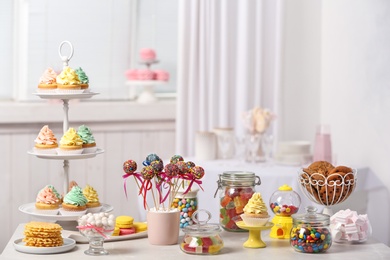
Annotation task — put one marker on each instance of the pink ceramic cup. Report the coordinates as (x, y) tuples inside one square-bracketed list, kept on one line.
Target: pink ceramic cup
[(163, 227)]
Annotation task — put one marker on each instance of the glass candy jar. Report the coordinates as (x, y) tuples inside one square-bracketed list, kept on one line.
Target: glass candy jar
[(283, 203), (201, 238), (235, 189), (187, 204), (311, 232)]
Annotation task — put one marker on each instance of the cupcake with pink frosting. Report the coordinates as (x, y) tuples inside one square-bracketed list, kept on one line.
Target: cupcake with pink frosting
[(45, 142), (47, 81), (131, 74), (162, 75), (48, 201), (145, 74), (147, 55)]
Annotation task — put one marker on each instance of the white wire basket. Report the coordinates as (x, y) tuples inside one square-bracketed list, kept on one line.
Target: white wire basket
[(329, 189)]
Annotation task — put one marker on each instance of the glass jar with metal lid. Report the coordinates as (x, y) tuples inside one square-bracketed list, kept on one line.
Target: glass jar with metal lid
[(311, 232), (202, 238), (235, 189)]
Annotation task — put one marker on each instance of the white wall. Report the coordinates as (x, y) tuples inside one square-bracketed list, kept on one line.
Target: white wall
[(336, 62), (356, 88)]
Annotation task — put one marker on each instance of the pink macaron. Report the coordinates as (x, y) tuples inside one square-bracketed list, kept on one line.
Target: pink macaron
[(126, 231)]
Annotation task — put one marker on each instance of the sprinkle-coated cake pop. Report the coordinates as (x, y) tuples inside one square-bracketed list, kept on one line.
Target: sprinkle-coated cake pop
[(129, 166), (176, 158), (148, 172), (171, 170), (198, 172)]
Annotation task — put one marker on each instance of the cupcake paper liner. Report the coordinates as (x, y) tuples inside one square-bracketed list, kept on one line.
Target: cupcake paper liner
[(69, 91), (72, 213), (94, 209), (90, 150), (45, 151), (69, 151), (253, 221)]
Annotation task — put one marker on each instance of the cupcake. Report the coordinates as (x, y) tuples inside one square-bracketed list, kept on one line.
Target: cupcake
[(89, 144), (48, 201), (146, 74), (161, 75), (48, 82), (147, 55), (93, 204), (70, 143), (131, 74), (46, 142), (68, 82), (255, 211), (84, 81), (75, 203)]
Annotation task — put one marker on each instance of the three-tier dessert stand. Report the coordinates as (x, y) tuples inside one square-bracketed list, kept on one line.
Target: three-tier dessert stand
[(29, 208)]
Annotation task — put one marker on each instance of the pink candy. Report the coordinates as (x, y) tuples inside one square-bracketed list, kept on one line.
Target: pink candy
[(347, 225)]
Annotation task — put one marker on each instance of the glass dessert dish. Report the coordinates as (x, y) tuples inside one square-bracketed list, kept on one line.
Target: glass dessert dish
[(201, 238), (96, 228), (329, 189)]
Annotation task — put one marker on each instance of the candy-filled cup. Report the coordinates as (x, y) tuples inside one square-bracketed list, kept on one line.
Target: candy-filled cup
[(96, 228)]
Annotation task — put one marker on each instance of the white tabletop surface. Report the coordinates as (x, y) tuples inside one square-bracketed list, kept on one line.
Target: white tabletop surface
[(233, 249)]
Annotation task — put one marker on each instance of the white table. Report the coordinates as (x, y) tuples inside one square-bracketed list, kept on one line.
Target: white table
[(370, 194), (233, 249)]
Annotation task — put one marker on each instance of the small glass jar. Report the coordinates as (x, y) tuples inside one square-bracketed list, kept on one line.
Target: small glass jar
[(311, 232), (235, 189), (201, 238), (187, 204)]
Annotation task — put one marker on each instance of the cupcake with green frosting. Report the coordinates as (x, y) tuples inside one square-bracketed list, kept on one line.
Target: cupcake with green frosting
[(74, 202), (89, 144), (84, 81)]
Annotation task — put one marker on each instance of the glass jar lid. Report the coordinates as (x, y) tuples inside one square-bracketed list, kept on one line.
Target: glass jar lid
[(311, 218), (201, 227)]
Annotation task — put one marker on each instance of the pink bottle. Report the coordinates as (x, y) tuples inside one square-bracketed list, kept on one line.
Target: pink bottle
[(323, 145)]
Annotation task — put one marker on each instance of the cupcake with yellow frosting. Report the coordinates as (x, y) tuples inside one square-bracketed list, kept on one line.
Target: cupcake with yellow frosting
[(68, 82), (89, 144), (93, 204), (46, 142), (84, 80), (70, 143), (48, 81), (74, 203), (255, 211)]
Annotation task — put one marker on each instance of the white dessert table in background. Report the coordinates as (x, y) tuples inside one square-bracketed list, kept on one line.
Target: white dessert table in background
[(233, 249)]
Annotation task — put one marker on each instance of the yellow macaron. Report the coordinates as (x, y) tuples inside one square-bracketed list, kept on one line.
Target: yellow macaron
[(140, 226), (124, 222), (116, 231)]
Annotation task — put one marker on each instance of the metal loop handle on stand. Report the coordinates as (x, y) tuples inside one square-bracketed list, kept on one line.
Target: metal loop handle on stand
[(65, 59)]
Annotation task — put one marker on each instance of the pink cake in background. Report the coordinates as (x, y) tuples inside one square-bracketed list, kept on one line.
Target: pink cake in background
[(145, 74), (147, 54), (132, 74), (161, 75)]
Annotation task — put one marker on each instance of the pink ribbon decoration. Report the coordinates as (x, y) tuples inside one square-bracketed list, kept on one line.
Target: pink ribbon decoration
[(192, 179), (165, 180), (98, 229), (125, 176), (146, 185)]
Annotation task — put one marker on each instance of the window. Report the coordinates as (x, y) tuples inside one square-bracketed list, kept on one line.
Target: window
[(106, 36)]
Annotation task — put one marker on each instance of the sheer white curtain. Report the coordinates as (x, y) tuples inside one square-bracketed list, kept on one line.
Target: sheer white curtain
[(229, 57)]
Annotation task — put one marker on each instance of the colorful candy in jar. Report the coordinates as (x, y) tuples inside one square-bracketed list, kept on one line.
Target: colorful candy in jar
[(310, 240), (283, 210), (201, 245), (186, 207), (232, 205)]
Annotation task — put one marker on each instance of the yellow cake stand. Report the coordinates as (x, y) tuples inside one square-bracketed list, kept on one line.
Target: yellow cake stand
[(254, 239)]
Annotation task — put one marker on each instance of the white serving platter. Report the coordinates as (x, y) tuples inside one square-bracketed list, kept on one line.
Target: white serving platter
[(83, 240), (30, 210), (68, 156), (68, 245), (66, 96)]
